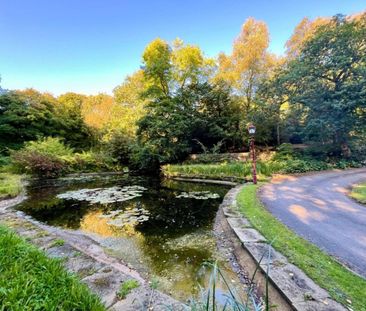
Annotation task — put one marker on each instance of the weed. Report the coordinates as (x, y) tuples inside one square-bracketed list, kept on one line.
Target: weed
[(126, 287)]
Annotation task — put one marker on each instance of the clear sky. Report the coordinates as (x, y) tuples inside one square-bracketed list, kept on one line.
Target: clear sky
[(89, 46)]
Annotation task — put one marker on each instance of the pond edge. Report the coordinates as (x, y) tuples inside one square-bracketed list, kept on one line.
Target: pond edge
[(296, 288)]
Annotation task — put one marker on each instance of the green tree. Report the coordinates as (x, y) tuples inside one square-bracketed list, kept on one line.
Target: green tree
[(328, 80), (170, 129), (25, 116)]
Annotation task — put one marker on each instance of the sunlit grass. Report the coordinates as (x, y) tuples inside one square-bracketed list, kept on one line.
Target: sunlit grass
[(342, 284), (10, 185), (231, 170), (31, 281), (359, 193)]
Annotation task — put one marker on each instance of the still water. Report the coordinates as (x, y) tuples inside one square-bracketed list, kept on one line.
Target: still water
[(162, 228)]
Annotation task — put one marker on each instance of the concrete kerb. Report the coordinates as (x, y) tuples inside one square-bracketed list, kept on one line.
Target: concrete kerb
[(292, 283)]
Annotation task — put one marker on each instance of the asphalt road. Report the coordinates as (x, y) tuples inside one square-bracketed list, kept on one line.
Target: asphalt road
[(317, 207)]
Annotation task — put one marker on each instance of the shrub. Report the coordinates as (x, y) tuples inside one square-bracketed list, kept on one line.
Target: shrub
[(49, 146), (119, 147), (46, 157), (39, 164), (91, 161)]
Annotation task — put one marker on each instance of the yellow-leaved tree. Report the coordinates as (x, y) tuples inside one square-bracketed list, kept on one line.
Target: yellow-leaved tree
[(249, 62)]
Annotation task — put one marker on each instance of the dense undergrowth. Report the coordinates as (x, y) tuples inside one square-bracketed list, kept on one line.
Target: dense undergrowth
[(50, 157), (10, 185)]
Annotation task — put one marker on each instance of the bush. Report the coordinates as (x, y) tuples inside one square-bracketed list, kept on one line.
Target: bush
[(50, 158), (39, 164), (119, 147), (45, 157), (91, 161), (51, 146)]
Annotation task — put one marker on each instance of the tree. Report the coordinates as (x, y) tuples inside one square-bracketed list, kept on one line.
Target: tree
[(129, 106), (200, 112), (22, 120), (304, 31), (168, 68), (71, 123), (157, 67), (249, 62), (329, 80)]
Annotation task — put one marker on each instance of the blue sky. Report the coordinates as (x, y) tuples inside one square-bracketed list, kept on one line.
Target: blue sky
[(89, 46)]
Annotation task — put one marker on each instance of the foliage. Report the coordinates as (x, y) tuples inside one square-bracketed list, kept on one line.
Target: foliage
[(126, 287), (326, 271), (120, 148), (10, 185), (39, 164), (92, 161), (200, 112), (226, 171), (50, 157), (328, 81), (130, 106), (358, 192), (31, 281), (27, 115), (249, 62)]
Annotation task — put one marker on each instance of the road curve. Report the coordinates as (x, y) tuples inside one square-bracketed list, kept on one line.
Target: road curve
[(317, 207)]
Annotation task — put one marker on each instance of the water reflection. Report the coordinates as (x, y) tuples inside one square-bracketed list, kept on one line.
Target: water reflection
[(164, 237)]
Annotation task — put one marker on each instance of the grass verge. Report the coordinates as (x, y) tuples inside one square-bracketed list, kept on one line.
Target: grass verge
[(342, 284), (10, 185), (29, 280), (359, 193)]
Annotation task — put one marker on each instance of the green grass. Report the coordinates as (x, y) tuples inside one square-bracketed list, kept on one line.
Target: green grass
[(126, 287), (231, 170), (10, 185), (359, 193), (322, 268), (29, 280), (58, 242)]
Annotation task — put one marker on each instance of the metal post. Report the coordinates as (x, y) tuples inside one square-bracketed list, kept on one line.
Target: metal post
[(254, 165)]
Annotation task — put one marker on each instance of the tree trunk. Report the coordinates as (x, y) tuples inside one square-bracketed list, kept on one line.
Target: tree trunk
[(346, 151), (278, 134)]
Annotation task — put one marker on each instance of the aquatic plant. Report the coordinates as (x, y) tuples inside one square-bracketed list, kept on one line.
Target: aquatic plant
[(120, 218), (198, 195), (104, 195)]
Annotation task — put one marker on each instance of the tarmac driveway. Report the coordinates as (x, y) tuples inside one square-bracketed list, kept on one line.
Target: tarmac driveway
[(317, 207)]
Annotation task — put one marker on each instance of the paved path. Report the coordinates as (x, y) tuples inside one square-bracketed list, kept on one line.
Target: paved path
[(317, 208)]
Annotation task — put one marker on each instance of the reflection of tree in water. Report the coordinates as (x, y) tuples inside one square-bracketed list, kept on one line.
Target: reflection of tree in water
[(169, 215), (172, 241)]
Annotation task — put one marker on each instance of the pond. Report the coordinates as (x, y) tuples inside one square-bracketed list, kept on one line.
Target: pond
[(162, 228)]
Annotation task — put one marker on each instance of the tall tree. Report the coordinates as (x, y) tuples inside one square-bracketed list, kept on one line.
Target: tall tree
[(130, 105), (249, 61), (304, 31), (329, 79)]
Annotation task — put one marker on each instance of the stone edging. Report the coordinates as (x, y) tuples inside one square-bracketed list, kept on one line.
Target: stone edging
[(292, 283), (207, 181), (84, 257)]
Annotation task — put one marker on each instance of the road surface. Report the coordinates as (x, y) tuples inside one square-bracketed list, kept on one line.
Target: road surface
[(317, 207)]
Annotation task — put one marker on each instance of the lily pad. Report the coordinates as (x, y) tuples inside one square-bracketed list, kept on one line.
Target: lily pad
[(198, 195), (104, 195)]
